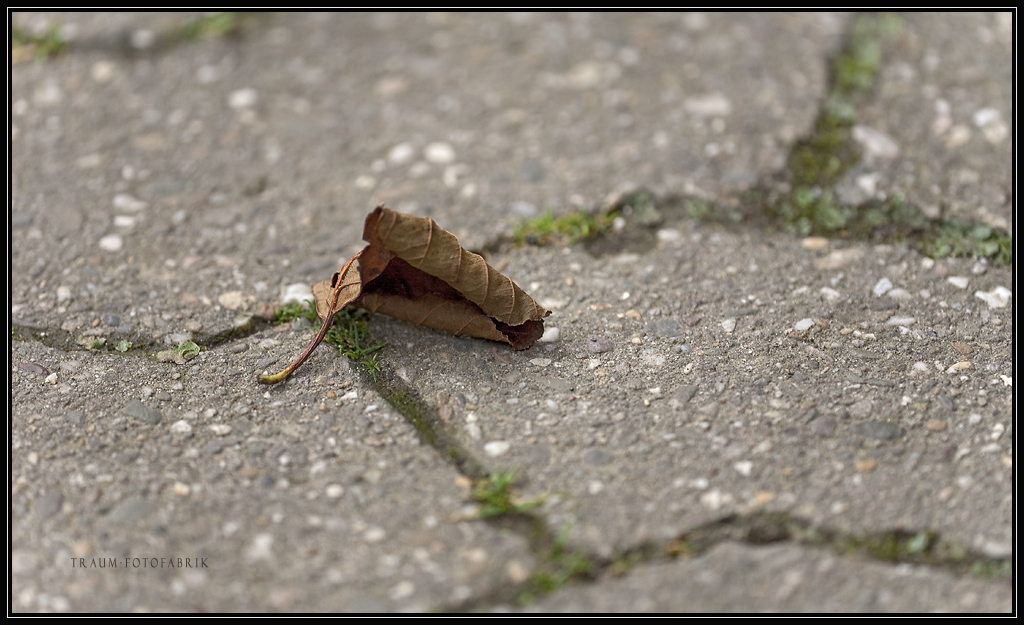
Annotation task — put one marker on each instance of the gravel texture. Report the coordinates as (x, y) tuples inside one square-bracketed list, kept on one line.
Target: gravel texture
[(171, 190)]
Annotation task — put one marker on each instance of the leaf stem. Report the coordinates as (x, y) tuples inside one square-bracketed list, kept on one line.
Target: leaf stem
[(280, 377)]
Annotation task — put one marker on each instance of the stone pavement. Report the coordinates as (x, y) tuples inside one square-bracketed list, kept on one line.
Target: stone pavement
[(729, 418)]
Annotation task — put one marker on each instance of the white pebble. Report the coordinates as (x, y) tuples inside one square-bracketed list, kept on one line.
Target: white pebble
[(142, 38), (232, 300), (900, 294), (334, 491), (744, 467), (401, 153), (439, 152), (220, 429), (803, 324), (900, 321), (374, 535), (729, 325), (959, 282), (125, 201), (651, 358), (830, 295), (112, 243), (497, 448), (260, 548), (63, 294), (242, 99), (868, 183), (102, 71), (839, 258), (882, 287), (552, 303), (715, 499), (550, 335), (181, 427), (296, 292), (711, 105), (997, 431), (960, 366), (669, 234), (541, 362), (984, 117), (814, 243), (51, 379), (998, 297), (875, 142), (403, 589)]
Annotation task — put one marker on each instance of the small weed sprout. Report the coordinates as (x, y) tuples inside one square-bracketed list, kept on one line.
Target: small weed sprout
[(497, 496)]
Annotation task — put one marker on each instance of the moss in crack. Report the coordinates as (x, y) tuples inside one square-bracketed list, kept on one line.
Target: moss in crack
[(564, 230), (559, 565), (817, 161), (26, 46), (810, 206), (423, 417), (349, 334), (213, 25), (497, 495), (638, 209), (895, 546), (951, 238), (820, 159), (295, 310)]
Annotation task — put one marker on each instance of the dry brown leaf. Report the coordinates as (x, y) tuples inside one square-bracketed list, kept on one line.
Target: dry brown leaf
[(426, 247), (416, 271), (344, 287)]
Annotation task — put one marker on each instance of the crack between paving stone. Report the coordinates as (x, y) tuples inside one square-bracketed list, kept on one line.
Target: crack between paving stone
[(563, 566), (801, 198), (560, 565)]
